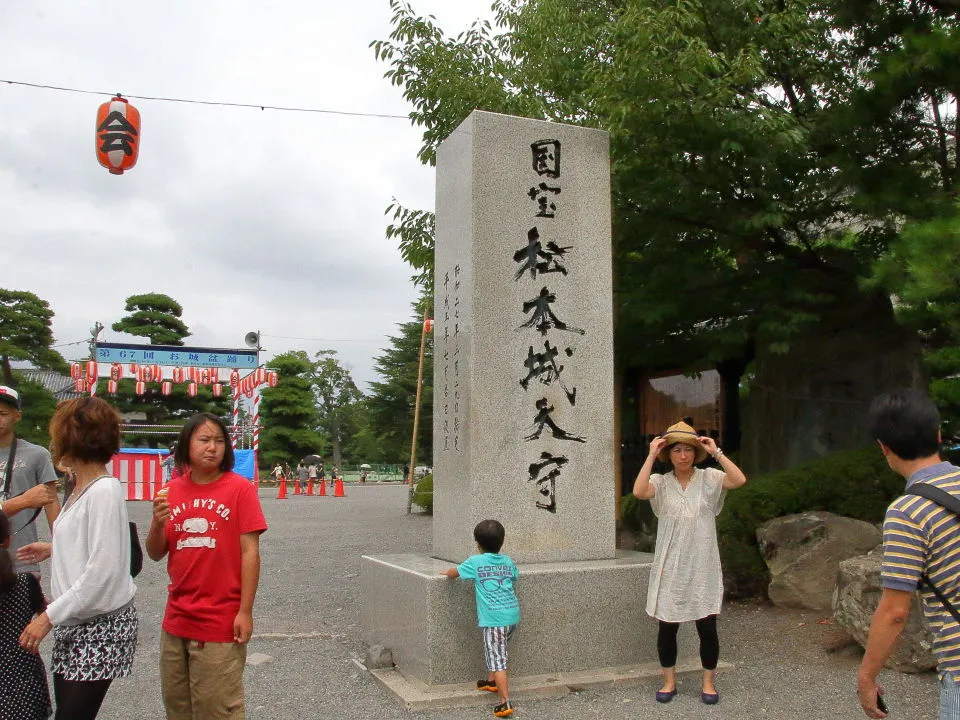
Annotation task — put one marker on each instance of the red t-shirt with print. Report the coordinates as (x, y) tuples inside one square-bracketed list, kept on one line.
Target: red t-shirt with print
[(203, 560)]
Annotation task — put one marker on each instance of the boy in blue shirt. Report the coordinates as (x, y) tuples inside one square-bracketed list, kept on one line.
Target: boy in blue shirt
[(498, 610)]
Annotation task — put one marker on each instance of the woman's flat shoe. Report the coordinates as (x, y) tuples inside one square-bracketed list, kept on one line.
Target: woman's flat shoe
[(665, 697), (709, 698)]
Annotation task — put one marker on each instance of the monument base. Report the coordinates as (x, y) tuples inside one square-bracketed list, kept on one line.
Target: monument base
[(574, 616)]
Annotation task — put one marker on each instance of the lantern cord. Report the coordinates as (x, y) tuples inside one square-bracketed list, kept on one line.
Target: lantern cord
[(281, 108)]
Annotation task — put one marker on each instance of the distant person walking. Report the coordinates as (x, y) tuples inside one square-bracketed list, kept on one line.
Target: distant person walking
[(686, 583)]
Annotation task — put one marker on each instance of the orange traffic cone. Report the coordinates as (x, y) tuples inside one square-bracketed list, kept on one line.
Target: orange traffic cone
[(282, 493), (338, 488), (323, 489), (310, 487), (296, 487)]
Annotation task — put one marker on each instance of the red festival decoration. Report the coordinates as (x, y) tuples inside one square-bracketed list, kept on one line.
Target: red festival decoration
[(273, 379), (178, 374), (141, 387), (166, 387), (76, 371), (217, 389), (192, 389), (428, 325), (118, 135), (116, 372), (261, 376), (80, 384), (234, 379), (112, 386)]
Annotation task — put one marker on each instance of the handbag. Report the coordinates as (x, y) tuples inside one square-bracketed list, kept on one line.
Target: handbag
[(136, 552)]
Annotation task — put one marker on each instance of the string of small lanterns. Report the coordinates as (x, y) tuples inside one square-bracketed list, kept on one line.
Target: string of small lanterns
[(85, 376)]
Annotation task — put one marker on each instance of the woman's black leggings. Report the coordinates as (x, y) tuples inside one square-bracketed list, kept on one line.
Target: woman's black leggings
[(78, 699), (709, 643)]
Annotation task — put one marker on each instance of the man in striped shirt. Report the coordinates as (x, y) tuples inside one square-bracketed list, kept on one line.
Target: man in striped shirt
[(919, 538)]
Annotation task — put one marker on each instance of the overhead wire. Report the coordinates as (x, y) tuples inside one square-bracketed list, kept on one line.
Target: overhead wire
[(190, 101)]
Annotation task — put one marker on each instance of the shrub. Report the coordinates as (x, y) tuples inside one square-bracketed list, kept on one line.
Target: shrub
[(423, 494), (854, 483)]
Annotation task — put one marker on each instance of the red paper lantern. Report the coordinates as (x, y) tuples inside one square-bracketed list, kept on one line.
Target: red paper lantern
[(80, 384), (205, 376), (178, 374), (92, 370), (112, 386), (214, 375), (118, 135), (76, 371), (261, 376), (157, 373), (428, 325), (166, 387), (273, 379), (235, 379), (192, 389), (133, 369), (141, 387), (217, 389), (116, 371)]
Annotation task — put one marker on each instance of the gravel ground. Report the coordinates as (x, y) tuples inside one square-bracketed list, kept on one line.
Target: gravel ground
[(310, 587)]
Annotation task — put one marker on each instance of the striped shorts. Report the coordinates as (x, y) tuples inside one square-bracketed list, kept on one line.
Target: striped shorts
[(495, 646)]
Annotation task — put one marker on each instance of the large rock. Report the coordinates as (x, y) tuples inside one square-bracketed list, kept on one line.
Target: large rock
[(854, 602), (803, 553)]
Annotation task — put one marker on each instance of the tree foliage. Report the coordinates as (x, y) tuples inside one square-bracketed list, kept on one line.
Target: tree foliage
[(288, 412), (390, 406), (39, 404), (334, 393), (26, 333), (765, 154), (155, 316)]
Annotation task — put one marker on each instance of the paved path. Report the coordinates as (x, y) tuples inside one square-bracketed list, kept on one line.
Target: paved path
[(307, 618)]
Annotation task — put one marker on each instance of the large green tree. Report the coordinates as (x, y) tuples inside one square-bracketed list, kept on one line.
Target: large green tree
[(155, 316), (765, 154), (39, 404), (25, 333), (288, 413), (390, 405), (334, 392)]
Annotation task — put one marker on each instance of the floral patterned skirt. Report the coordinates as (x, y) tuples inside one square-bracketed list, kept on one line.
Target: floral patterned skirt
[(101, 649)]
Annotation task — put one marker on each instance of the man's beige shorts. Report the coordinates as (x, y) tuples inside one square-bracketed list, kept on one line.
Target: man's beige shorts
[(201, 680)]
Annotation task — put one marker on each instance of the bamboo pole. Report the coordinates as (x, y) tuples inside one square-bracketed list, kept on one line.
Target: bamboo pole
[(416, 414)]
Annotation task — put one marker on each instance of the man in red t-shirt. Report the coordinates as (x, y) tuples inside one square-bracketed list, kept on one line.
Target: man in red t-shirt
[(208, 524)]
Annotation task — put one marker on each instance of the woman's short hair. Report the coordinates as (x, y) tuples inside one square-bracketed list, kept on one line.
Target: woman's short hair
[(86, 428), (181, 455)]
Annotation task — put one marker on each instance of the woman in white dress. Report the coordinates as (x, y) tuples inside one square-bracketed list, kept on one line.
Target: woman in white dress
[(685, 581)]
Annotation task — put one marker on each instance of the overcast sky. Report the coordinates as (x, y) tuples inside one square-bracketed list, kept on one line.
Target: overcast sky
[(250, 219)]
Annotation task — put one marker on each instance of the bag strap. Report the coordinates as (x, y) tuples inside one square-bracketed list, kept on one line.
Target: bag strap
[(947, 501), (11, 459)]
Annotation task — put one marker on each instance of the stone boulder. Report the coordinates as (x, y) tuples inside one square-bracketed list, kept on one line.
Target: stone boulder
[(854, 602), (803, 553)]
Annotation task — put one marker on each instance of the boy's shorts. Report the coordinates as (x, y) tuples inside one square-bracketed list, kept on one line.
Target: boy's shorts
[(495, 646)]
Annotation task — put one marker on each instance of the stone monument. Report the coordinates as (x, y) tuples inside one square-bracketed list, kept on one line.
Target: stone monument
[(523, 413)]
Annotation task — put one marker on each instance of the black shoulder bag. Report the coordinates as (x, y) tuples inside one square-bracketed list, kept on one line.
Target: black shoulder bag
[(11, 459), (948, 502)]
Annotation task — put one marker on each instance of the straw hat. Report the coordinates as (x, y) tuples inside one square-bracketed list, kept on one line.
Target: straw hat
[(682, 433)]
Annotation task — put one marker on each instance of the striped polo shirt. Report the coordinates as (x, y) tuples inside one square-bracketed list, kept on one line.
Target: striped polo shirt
[(920, 536)]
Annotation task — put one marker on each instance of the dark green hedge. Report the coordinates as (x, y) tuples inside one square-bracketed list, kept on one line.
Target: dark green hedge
[(856, 484), (423, 494)]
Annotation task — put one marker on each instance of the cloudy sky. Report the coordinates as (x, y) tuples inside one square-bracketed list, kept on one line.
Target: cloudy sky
[(250, 219)]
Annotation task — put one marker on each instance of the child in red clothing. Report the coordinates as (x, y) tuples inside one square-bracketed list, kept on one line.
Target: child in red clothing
[(208, 524)]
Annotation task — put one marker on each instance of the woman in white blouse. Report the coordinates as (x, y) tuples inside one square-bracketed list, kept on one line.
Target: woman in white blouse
[(92, 615), (686, 581)]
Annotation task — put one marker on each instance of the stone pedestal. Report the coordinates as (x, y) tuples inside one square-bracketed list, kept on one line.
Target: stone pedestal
[(575, 616)]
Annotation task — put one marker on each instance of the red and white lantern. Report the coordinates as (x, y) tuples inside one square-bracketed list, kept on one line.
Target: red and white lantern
[(261, 375), (133, 369), (112, 386), (141, 387), (214, 375), (92, 371), (157, 373), (205, 376), (178, 374), (80, 384), (273, 379), (217, 389), (118, 135), (76, 371), (116, 372), (192, 389), (166, 387), (234, 379), (428, 325)]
